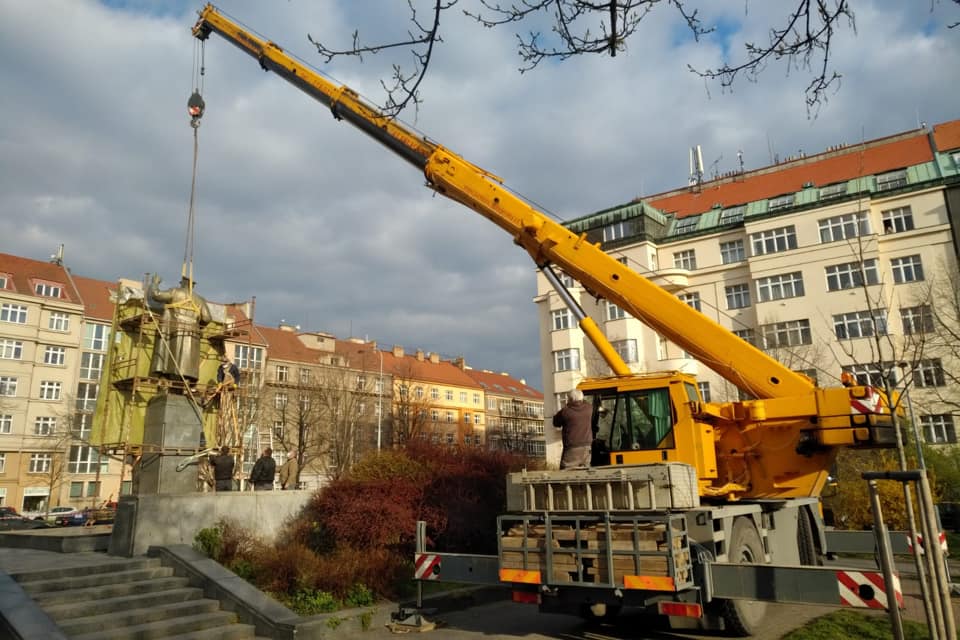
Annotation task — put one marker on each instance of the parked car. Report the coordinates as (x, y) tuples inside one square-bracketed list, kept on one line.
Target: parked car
[(9, 512), (89, 515), (48, 514)]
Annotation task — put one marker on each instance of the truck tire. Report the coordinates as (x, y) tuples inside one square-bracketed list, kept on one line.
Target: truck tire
[(744, 617)]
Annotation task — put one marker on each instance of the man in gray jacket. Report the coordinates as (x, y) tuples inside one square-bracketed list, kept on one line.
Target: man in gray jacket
[(261, 477), (575, 421)]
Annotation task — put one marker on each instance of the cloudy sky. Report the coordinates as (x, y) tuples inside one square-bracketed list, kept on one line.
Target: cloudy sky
[(329, 230)]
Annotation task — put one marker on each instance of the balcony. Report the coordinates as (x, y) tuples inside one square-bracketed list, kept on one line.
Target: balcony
[(672, 279)]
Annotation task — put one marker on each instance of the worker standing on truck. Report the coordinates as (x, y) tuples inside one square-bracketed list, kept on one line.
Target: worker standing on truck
[(574, 420)]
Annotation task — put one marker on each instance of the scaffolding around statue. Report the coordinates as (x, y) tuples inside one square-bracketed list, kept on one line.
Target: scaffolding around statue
[(162, 406)]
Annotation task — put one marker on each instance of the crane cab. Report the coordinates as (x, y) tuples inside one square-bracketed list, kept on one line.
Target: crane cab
[(649, 418)]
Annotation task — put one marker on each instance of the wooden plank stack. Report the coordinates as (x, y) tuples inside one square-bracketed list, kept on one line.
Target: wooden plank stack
[(585, 552)]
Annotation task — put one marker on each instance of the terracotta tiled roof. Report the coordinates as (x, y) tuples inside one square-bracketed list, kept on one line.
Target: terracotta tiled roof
[(286, 345), (364, 356), (95, 295), (874, 157), (24, 273), (502, 384), (947, 136)]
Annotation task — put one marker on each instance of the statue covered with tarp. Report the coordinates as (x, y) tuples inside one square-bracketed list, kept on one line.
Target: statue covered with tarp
[(176, 353)]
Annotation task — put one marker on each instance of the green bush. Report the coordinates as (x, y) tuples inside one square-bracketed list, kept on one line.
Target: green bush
[(310, 602), (209, 541), (360, 596)]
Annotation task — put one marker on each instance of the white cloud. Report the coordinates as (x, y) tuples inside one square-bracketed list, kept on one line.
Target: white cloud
[(331, 232)]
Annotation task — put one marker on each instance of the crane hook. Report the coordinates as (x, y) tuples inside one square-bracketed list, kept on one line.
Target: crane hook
[(195, 107)]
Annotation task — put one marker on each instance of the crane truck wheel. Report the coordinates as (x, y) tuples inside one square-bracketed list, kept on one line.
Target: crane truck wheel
[(744, 617), (809, 556)]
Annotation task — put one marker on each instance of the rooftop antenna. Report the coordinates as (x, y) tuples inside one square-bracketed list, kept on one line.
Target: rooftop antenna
[(696, 166)]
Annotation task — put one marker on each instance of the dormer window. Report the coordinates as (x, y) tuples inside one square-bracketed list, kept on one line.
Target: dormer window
[(48, 290)]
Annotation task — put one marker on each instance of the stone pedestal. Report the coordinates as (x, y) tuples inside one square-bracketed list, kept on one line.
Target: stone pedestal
[(169, 422)]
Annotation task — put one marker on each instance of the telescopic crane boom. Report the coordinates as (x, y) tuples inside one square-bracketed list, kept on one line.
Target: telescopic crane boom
[(780, 445)]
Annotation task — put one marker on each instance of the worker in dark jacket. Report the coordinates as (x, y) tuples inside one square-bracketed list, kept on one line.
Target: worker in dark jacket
[(261, 477), (223, 469), (575, 421)]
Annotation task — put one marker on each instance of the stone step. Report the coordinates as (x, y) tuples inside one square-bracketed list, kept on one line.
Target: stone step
[(165, 628), (24, 577), (85, 607), (94, 580), (230, 632), (109, 591), (125, 618)]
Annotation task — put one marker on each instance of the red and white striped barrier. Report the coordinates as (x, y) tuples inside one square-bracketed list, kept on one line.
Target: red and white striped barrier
[(426, 566), (866, 589), (920, 550)]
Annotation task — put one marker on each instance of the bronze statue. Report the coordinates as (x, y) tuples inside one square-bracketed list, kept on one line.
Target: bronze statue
[(176, 353)]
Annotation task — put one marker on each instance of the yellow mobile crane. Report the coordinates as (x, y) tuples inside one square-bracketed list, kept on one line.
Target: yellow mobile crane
[(751, 462)]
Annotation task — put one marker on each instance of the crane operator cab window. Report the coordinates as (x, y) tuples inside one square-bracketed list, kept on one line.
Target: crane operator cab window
[(634, 420)]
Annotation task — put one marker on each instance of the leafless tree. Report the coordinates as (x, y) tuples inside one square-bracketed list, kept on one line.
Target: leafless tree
[(346, 417), (300, 419), (803, 39), (412, 408)]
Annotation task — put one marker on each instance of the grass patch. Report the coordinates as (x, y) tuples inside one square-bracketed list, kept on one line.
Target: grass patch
[(853, 624)]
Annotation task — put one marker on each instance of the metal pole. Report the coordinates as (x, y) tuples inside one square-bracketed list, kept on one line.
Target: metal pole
[(886, 561), (933, 548)]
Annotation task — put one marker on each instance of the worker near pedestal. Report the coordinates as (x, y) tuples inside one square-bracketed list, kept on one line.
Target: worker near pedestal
[(223, 469), (575, 422), (261, 477), (228, 373), (288, 472)]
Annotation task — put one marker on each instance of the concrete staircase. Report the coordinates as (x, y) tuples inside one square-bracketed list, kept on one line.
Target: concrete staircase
[(133, 599)]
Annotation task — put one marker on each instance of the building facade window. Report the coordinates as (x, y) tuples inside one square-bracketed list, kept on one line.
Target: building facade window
[(844, 227), (614, 312), (833, 190), (434, 393), (852, 274), (3, 464), (247, 357), (562, 319), (11, 349), (738, 296), (8, 386), (792, 333), (566, 360), (907, 269), (686, 225), (929, 373), (87, 396), (780, 202), (6, 423), (704, 388), (14, 313), (732, 215), (780, 287), (566, 280), (897, 220), (47, 290), (732, 251), (939, 429), (304, 375), (44, 426), (686, 259), (773, 240), (859, 324), (54, 355), (283, 373), (448, 395), (418, 392), (691, 300), (85, 460), (463, 397), (892, 180), (626, 349), (615, 231), (866, 374), (917, 320), (280, 401), (59, 322), (476, 399), (50, 390), (95, 337), (40, 462), (91, 365)]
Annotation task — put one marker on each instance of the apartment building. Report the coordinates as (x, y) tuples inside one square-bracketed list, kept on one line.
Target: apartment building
[(514, 412), (808, 259), (53, 334)]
